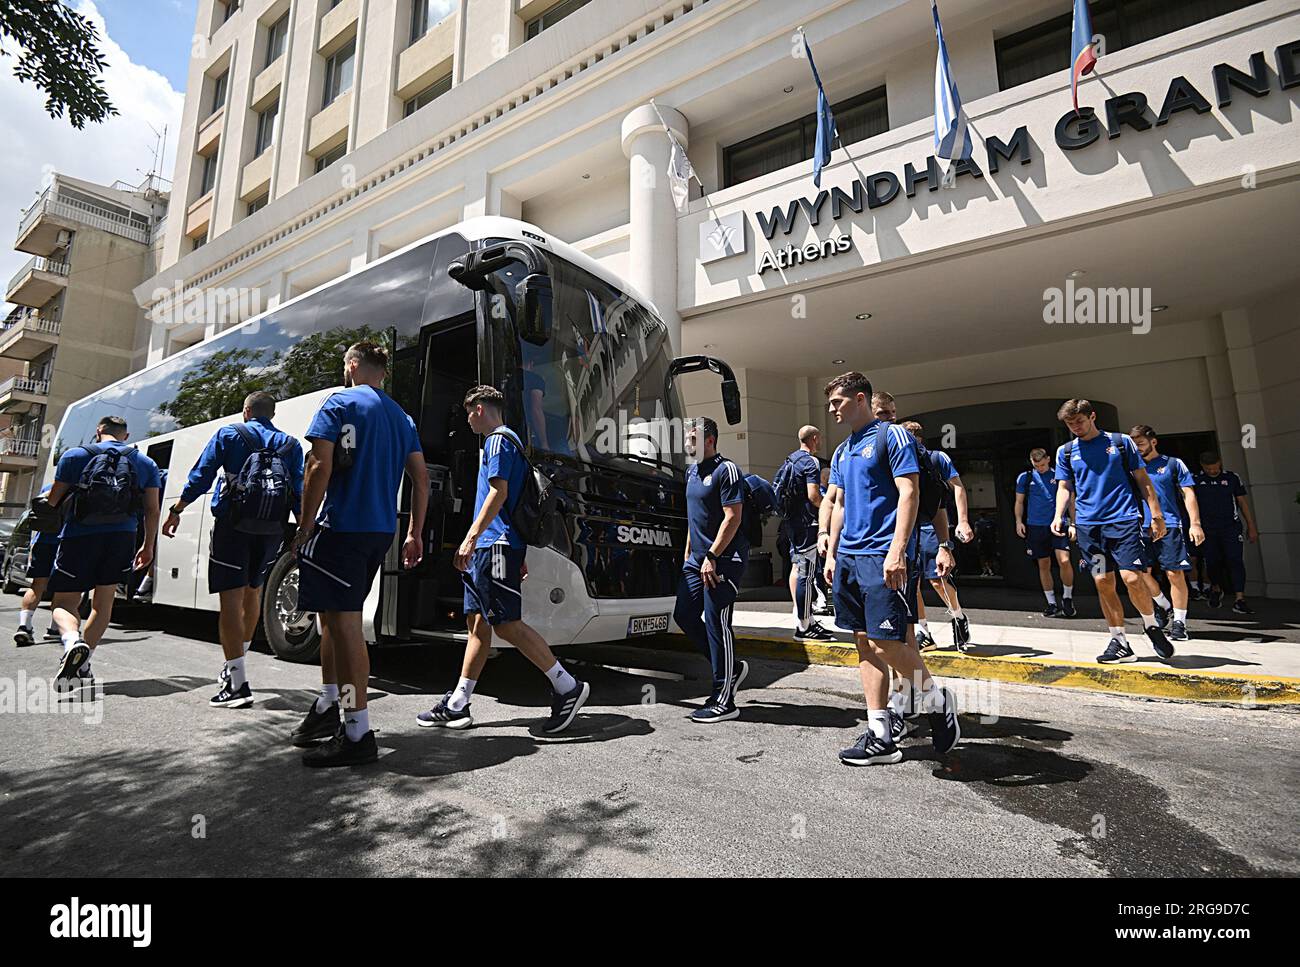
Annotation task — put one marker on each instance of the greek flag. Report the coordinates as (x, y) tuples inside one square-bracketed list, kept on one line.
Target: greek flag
[(825, 121), (950, 139)]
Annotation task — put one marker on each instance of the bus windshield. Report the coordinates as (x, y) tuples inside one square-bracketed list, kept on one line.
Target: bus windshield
[(597, 389)]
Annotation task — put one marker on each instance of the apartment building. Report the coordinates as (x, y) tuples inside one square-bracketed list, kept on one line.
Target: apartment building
[(319, 135), (75, 325)]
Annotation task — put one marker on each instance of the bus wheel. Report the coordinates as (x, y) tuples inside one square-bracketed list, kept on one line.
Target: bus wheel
[(292, 634)]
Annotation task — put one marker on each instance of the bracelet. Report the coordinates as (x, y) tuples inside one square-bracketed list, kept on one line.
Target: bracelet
[(175, 509)]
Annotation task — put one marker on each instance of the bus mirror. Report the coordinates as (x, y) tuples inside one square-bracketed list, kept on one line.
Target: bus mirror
[(731, 400), (533, 296)]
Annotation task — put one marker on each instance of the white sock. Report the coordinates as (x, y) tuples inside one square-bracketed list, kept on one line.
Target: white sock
[(461, 696), (247, 645), (356, 724), (957, 612), (25, 619), (932, 698), (561, 681), (878, 722), (1118, 633), (237, 674), (1180, 614), (1161, 600), (1149, 620), (1050, 596), (70, 638), (1067, 592), (924, 625), (900, 699), (801, 624), (329, 694)]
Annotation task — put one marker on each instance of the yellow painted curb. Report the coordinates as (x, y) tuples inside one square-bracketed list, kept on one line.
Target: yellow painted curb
[(1174, 683)]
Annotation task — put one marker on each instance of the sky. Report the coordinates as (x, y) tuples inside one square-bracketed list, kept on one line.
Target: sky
[(146, 47)]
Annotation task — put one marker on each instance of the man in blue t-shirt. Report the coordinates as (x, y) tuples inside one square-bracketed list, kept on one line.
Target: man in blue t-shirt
[(1224, 505), (40, 564), (97, 545), (872, 536), (237, 560), (491, 561), (1173, 483), (1035, 507), (717, 552), (1100, 471), (361, 442), (805, 473)]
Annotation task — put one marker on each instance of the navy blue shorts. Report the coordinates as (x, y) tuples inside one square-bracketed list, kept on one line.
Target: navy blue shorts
[(40, 560), (929, 549), (493, 583), (1110, 547), (1043, 543), (336, 568), (1170, 552), (239, 560), (92, 560), (863, 603)]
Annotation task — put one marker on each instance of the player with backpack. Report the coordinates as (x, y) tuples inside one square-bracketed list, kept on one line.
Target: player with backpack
[(100, 488), (260, 484), (797, 486)]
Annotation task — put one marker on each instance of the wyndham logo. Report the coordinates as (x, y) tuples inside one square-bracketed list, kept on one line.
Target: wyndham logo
[(644, 535), (722, 237)]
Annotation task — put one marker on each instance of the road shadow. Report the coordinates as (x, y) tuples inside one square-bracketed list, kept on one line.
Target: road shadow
[(158, 687)]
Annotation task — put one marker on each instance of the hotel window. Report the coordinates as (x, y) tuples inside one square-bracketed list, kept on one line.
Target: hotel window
[(552, 17), (856, 119), (265, 129), (257, 204), (436, 89), (338, 72), (276, 36), (199, 242), (1045, 48), (426, 14), (209, 177), (219, 92), (331, 156), (232, 7)]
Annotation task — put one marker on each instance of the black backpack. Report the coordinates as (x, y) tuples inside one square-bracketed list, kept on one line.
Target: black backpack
[(932, 484), (754, 511), (534, 512), (108, 491), (261, 494), (791, 494)]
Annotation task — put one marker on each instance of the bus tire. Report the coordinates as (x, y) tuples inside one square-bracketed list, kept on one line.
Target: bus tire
[(292, 634)]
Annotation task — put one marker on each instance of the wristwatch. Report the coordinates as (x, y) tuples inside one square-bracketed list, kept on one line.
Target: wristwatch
[(711, 556), (175, 509), (948, 545)]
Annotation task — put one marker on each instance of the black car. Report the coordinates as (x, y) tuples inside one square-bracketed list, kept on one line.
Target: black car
[(15, 535)]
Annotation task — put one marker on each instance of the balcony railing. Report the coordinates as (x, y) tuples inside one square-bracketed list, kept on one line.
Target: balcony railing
[(32, 319), (78, 210), (24, 384), (19, 448), (39, 263)]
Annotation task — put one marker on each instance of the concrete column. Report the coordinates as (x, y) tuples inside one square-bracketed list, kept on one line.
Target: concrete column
[(653, 217), (485, 196)]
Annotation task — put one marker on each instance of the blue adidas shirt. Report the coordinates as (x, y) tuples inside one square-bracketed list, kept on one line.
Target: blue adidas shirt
[(1168, 476), (711, 485), (943, 463), (227, 451), (501, 459), (866, 478), (1040, 497), (1099, 470), (1217, 499), (74, 461), (43, 537), (363, 498), (807, 470)]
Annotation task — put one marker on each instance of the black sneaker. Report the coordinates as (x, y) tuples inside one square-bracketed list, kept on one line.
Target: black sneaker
[(75, 687), (342, 751), (1160, 643), (1067, 608), (228, 697), (1162, 616), (713, 712), (72, 660), (53, 634), (223, 677), (316, 726), (1177, 631), (924, 640), (442, 717), (825, 611), (1215, 597), (945, 730), (742, 672), (899, 727), (1195, 594), (1116, 652), (1050, 611), (814, 632), (961, 632), (565, 707), (871, 751), (24, 637), (1241, 607)]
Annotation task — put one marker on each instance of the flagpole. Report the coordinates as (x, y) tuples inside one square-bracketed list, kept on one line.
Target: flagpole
[(673, 138), (838, 140)]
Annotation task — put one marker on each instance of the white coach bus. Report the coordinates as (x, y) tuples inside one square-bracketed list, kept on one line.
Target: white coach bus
[(491, 300)]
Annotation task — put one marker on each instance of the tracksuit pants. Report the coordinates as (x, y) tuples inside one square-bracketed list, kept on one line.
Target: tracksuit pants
[(1224, 564), (704, 613), (805, 563)]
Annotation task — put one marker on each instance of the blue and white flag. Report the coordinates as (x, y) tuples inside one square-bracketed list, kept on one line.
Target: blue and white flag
[(825, 121), (950, 138)]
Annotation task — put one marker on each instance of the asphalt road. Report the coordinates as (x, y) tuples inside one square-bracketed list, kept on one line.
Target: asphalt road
[(150, 781)]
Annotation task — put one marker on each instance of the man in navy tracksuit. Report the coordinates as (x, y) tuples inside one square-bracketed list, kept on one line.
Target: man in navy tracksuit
[(1222, 499), (716, 554), (40, 564), (238, 562)]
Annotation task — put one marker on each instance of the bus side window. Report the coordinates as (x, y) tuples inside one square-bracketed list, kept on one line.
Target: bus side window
[(161, 454)]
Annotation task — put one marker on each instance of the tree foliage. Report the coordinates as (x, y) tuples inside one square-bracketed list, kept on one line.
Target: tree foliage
[(58, 53)]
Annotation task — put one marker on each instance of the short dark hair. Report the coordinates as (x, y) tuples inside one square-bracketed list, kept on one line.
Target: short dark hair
[(1074, 408), (369, 354), (852, 383), (880, 396), (914, 428), (1142, 429), (487, 395), (708, 427), (261, 404), (113, 425), (1210, 457)]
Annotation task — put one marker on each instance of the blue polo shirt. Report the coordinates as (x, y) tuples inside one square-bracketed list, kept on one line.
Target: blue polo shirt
[(1040, 497), (866, 478), (363, 498), (227, 451), (1099, 470), (1217, 499), (1168, 476), (711, 485), (502, 459), (74, 461)]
